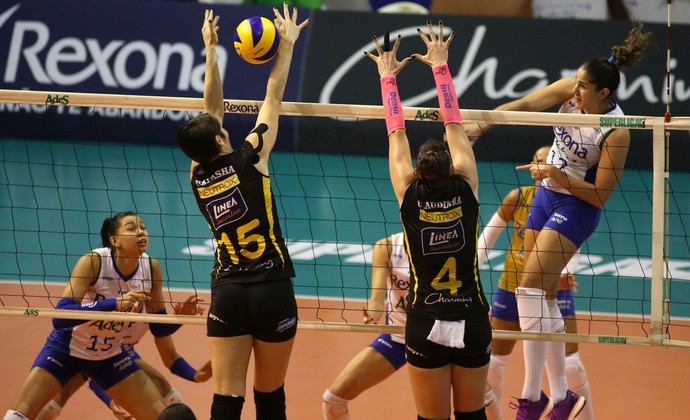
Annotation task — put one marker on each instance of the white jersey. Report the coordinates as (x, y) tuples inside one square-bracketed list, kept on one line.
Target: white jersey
[(134, 332), (98, 339), (577, 150), (398, 284)]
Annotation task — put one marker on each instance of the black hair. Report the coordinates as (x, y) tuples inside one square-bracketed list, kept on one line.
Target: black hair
[(110, 226), (605, 71), (197, 138), (177, 411), (433, 163)]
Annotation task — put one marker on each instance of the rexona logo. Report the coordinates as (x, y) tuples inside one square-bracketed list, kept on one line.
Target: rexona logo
[(235, 108), (31, 45), (622, 122)]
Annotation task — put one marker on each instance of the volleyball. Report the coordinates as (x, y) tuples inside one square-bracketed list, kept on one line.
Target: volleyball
[(257, 40)]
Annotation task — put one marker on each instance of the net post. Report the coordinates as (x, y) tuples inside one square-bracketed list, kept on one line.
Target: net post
[(659, 175)]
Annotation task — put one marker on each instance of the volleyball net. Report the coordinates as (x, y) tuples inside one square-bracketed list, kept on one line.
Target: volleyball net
[(633, 278)]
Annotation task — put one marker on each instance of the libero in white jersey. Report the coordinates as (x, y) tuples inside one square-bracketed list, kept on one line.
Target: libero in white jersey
[(118, 277)]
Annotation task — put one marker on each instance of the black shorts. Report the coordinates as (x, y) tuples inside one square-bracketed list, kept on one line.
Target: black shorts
[(265, 310), (425, 354)]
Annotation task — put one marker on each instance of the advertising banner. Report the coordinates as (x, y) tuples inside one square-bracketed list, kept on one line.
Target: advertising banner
[(119, 47), (493, 61), (155, 48)]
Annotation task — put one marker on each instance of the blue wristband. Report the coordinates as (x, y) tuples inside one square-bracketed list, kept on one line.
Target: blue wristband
[(100, 393), (181, 368), (104, 305), (163, 330)]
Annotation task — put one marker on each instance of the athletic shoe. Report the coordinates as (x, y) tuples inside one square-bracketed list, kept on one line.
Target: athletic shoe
[(532, 410), (568, 408)]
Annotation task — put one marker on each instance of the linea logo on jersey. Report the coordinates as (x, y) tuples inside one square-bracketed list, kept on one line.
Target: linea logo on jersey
[(219, 187), (226, 209), (443, 240)]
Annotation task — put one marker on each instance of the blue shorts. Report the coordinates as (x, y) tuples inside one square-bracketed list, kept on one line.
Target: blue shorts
[(567, 215), (106, 373), (131, 352), (392, 351), (504, 306)]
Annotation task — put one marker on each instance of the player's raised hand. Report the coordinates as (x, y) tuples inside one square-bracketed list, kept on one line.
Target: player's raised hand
[(385, 58), (437, 48), (209, 30), (287, 24)]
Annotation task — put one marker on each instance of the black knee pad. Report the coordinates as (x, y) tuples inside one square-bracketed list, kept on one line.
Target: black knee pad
[(226, 407), (474, 415), (270, 405)]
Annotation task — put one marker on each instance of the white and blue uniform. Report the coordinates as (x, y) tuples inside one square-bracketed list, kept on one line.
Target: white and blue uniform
[(98, 340), (134, 332), (575, 151), (94, 348)]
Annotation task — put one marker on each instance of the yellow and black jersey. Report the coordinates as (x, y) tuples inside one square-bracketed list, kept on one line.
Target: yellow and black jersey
[(441, 228), (238, 204)]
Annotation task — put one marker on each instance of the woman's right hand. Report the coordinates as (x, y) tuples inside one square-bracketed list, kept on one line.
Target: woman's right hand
[(209, 30), (386, 61)]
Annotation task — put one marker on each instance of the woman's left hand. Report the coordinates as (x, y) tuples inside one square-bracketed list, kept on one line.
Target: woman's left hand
[(540, 171), (189, 306), (437, 47)]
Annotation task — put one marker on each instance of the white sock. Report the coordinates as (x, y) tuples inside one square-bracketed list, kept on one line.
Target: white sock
[(14, 415), (173, 397), (555, 355), (334, 407), (534, 316), (492, 406), (50, 411), (579, 384), (497, 373)]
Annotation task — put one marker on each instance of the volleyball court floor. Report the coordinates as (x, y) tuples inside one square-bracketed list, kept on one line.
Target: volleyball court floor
[(627, 382)]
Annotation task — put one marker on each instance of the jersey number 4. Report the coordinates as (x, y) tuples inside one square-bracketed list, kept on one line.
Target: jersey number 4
[(447, 279)]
